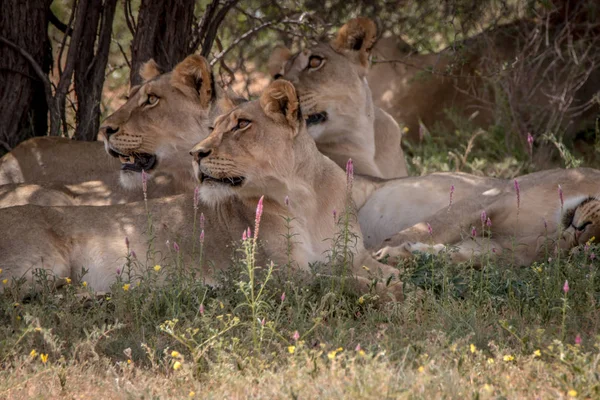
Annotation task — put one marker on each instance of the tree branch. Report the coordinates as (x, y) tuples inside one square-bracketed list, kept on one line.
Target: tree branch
[(54, 114), (58, 24)]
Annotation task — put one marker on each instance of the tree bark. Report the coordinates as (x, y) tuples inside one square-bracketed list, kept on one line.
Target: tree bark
[(163, 32), (90, 66), (23, 107)]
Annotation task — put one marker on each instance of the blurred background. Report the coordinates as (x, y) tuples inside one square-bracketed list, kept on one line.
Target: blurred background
[(488, 87)]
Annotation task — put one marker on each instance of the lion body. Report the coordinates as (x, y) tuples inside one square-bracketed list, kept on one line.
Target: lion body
[(523, 227)]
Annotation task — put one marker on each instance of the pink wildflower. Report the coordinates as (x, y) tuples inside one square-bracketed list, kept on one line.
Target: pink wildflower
[(357, 348), (248, 233), (578, 339), (282, 297), (566, 287), (592, 256), (201, 221), (262, 323), (429, 229), (196, 197), (133, 254), (483, 217), (473, 231), (259, 212), (451, 195), (518, 190), (296, 336), (349, 174), (175, 246), (201, 309), (118, 271), (560, 196), (488, 223), (127, 242), (530, 143), (202, 236), (244, 237)]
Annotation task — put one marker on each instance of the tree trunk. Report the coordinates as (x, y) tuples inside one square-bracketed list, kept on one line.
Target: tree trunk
[(90, 66), (23, 108), (164, 32)]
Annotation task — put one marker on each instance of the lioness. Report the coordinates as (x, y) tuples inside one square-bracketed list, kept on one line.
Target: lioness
[(502, 72), (527, 219), (259, 148), (154, 130), (337, 102)]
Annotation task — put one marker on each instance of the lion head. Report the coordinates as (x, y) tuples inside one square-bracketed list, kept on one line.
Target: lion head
[(262, 147), (582, 223), (336, 101), (330, 79), (162, 119)]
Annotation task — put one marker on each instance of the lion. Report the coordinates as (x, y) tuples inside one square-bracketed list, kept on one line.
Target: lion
[(523, 221), (337, 102), (153, 131), (495, 73), (258, 153)]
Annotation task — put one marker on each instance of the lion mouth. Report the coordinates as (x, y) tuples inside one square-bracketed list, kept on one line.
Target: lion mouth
[(135, 162), (229, 181), (315, 119)]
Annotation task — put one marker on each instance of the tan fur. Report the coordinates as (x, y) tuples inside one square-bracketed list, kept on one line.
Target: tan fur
[(407, 91), (169, 129), (357, 35), (523, 230), (272, 161), (354, 128), (149, 70)]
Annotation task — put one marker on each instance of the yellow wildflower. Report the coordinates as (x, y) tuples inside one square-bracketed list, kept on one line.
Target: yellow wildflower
[(331, 355), (537, 353), (84, 283), (488, 388), (572, 393), (157, 268), (68, 280), (221, 305), (192, 394), (291, 349), (589, 242), (174, 354), (361, 353), (508, 358), (44, 358), (339, 349), (0, 270), (129, 361), (38, 329), (176, 365), (126, 287), (5, 281), (473, 348), (490, 360), (18, 317), (33, 353), (361, 299), (405, 129), (421, 369), (365, 268)]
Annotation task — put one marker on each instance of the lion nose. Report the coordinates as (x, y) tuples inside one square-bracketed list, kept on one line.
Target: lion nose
[(108, 131), (200, 154)]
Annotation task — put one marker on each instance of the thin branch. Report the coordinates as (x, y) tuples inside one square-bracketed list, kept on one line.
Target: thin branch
[(58, 24), (129, 17), (243, 37), (54, 114)]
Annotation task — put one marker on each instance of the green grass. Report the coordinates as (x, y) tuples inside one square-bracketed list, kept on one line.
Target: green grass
[(464, 333)]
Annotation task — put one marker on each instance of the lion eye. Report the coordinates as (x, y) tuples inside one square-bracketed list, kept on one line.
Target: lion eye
[(582, 227), (152, 99), (315, 62), (242, 123)]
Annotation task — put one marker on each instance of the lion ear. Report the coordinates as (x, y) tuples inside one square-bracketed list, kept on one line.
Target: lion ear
[(277, 60), (228, 101), (149, 70), (356, 37), (279, 102), (194, 72)]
